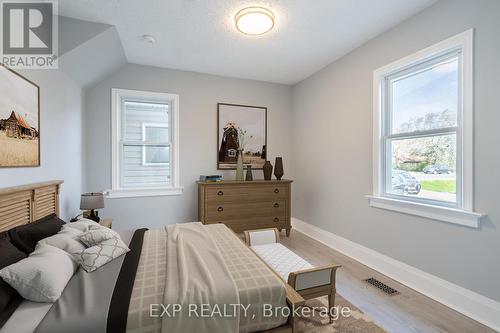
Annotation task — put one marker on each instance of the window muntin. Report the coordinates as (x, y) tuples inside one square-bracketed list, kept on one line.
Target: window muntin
[(421, 118)]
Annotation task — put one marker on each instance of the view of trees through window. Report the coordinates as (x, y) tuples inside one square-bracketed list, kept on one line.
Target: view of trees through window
[(423, 132)]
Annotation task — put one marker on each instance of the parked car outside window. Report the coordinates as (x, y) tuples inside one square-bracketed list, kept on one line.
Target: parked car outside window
[(437, 169), (397, 184), (409, 184)]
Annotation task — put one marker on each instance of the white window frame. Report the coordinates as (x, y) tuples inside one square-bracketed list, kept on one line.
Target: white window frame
[(117, 97), (462, 213), (168, 144)]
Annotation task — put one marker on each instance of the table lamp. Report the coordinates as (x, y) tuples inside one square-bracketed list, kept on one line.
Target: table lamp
[(92, 201)]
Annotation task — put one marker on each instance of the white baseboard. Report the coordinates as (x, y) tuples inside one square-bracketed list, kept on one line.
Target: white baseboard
[(465, 301)]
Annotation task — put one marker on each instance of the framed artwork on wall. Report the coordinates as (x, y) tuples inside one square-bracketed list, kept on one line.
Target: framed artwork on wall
[(241, 127), (19, 120)]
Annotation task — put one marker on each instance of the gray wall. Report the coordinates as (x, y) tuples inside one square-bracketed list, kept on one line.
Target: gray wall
[(60, 137), (332, 150), (199, 95)]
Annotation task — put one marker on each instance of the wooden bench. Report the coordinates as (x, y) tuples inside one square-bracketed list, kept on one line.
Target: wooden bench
[(309, 281)]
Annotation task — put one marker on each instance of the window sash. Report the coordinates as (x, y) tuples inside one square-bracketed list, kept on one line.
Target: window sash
[(387, 181), (387, 135), (169, 181), (412, 70), (144, 100)]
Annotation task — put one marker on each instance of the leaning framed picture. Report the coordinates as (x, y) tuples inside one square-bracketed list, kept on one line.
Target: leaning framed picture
[(241, 127), (19, 120)]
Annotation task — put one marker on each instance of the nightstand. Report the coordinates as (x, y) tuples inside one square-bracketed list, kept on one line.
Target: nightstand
[(108, 223)]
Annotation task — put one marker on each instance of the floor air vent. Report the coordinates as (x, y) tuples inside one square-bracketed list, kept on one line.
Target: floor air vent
[(382, 286)]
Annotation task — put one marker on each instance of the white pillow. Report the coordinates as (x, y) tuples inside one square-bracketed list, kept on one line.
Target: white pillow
[(96, 256), (96, 235), (67, 229), (42, 276), (66, 240), (82, 224)]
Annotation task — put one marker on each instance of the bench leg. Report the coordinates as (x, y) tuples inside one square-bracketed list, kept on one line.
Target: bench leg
[(294, 324), (331, 305), (288, 232)]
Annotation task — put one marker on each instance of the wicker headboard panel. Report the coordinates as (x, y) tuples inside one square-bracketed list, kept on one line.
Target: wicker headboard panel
[(27, 203)]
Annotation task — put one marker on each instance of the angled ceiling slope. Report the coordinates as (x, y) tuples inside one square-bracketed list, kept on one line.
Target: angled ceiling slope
[(89, 51)]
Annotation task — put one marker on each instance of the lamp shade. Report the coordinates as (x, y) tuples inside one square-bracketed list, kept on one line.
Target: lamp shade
[(91, 201)]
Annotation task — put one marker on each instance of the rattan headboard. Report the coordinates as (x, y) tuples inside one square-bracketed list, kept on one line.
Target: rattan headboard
[(27, 203)]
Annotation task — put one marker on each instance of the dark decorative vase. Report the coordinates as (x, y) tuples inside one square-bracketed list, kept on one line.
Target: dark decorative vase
[(249, 176), (268, 170), (278, 168)]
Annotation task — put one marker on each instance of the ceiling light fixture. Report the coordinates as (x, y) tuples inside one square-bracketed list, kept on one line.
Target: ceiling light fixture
[(254, 20)]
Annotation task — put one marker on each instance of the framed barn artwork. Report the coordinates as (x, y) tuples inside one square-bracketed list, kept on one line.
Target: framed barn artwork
[(241, 127), (19, 120)]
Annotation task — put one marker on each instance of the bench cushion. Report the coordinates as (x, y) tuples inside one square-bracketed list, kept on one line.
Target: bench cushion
[(282, 260)]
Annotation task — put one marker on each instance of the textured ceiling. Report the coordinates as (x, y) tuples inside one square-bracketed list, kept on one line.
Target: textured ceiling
[(199, 35)]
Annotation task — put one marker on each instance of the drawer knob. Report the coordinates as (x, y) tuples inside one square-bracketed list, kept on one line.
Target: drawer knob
[(276, 205), (220, 193), (276, 219), (220, 209), (276, 190)]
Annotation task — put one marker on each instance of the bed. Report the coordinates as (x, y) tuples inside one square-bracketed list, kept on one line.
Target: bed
[(118, 296)]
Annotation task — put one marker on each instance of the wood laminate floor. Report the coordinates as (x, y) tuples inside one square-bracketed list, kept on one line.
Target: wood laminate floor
[(409, 311)]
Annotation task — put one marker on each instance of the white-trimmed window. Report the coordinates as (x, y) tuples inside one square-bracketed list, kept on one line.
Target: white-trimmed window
[(423, 122), (145, 141)]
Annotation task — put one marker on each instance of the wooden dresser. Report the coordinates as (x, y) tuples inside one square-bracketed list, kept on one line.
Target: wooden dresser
[(245, 205)]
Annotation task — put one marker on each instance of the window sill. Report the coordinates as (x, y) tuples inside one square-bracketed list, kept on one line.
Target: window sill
[(143, 192), (446, 214)]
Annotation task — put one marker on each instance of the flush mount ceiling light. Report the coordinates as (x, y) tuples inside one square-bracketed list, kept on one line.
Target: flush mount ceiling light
[(254, 20)]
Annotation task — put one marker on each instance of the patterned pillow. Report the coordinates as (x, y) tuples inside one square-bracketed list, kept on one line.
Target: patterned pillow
[(96, 256), (96, 235)]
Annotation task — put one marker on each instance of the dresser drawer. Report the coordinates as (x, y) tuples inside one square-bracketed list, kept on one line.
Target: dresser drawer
[(229, 194), (228, 211), (240, 225)]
